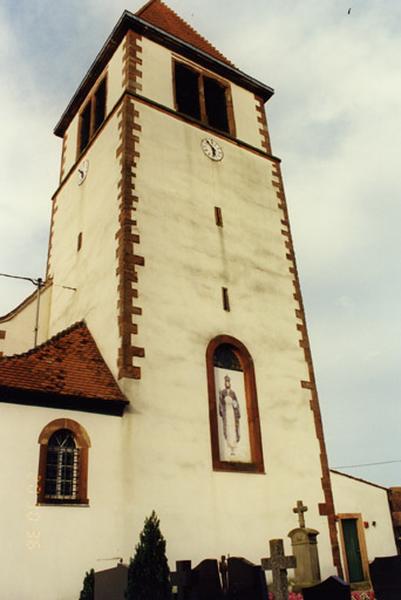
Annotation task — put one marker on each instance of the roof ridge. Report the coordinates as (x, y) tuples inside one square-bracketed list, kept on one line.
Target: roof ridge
[(26, 301), (360, 479), (146, 6), (58, 336)]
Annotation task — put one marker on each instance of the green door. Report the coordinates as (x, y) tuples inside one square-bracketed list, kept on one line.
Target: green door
[(352, 550)]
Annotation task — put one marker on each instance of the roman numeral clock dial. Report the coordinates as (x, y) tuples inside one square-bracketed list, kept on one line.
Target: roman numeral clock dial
[(212, 149)]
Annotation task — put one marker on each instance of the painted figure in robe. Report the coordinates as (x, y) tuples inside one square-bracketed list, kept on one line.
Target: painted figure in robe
[(230, 414)]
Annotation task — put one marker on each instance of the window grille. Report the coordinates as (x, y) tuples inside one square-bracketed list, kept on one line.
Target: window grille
[(62, 467)]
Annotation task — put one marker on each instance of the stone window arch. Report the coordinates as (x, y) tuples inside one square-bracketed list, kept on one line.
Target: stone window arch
[(63, 463), (233, 407)]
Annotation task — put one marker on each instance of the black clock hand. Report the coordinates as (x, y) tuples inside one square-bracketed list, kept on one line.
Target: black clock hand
[(213, 149)]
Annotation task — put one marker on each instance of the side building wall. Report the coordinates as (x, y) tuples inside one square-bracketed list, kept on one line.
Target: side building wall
[(17, 329), (370, 503), (56, 544)]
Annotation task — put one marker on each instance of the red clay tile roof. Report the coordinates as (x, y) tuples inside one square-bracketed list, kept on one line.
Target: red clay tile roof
[(159, 14), (68, 364)]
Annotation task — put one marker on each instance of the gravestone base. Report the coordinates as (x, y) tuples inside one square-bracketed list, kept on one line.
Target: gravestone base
[(304, 548), (361, 586)]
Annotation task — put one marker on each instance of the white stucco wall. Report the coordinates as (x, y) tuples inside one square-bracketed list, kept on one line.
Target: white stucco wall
[(56, 544), (19, 325), (371, 501), (157, 71), (90, 208), (188, 260), (246, 116)]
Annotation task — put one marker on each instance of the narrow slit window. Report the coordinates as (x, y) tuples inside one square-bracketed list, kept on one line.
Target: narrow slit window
[(226, 300), (100, 104), (187, 91), (79, 242), (218, 215), (216, 104)]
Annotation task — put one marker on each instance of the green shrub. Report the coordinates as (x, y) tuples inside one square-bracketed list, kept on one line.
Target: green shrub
[(148, 572)]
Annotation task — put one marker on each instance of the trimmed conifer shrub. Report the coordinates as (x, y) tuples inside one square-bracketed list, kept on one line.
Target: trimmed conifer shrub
[(148, 572), (88, 591)]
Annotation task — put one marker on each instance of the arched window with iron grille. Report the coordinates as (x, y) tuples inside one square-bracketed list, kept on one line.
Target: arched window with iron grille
[(63, 463)]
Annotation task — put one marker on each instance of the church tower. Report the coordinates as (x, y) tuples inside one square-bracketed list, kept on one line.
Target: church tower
[(170, 240)]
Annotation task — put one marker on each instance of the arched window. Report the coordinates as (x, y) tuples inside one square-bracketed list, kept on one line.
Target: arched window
[(63, 463), (233, 407)]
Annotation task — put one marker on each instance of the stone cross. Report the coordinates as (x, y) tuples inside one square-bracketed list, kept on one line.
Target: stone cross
[(278, 563), (300, 509)]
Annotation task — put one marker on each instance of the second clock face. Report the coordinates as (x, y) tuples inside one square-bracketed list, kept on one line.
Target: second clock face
[(212, 149)]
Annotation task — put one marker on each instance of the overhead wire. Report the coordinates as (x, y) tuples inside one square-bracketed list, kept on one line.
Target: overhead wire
[(384, 462)]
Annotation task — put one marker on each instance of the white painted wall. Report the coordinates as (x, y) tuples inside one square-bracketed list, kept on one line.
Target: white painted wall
[(90, 208), (353, 496), (157, 73), (188, 260), (56, 544), (19, 325), (246, 116)]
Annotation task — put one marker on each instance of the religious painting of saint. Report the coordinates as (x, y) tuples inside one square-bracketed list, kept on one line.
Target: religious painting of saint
[(233, 430), (233, 408)]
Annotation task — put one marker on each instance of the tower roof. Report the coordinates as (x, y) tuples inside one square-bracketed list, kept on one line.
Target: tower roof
[(162, 16), (67, 370)]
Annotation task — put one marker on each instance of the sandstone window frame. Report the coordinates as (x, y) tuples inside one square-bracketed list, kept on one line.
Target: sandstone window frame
[(82, 443), (202, 76), (256, 464), (92, 115)]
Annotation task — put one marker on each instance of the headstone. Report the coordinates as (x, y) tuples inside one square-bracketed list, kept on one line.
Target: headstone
[(223, 568), (304, 548), (385, 574), (205, 582), (246, 581), (278, 563), (111, 583), (181, 579), (332, 588)]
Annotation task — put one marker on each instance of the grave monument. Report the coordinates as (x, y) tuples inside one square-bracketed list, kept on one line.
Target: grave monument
[(304, 548)]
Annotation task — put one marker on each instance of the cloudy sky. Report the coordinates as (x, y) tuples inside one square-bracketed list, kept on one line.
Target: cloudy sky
[(335, 122)]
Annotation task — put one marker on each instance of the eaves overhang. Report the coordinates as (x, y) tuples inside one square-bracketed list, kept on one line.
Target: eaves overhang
[(43, 399), (129, 21)]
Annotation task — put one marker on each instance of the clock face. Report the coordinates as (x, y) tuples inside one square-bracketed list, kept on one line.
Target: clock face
[(83, 171), (212, 149)]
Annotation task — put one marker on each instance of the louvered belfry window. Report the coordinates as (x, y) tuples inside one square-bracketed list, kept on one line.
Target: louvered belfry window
[(62, 467), (204, 98)]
